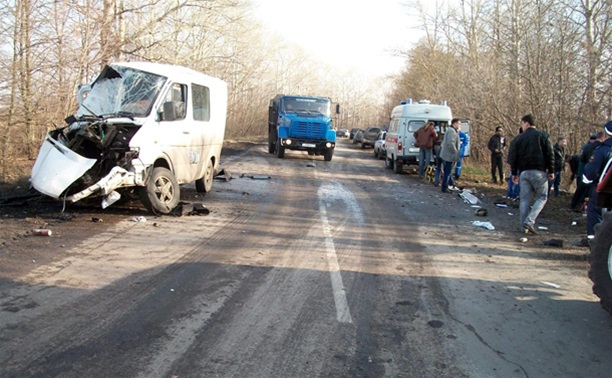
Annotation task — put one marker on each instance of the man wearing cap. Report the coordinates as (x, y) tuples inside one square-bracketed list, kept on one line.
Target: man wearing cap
[(531, 153), (592, 174), (582, 190), (497, 144)]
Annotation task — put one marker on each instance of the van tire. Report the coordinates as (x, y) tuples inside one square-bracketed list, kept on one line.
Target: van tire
[(398, 167), (329, 153), (204, 184), (162, 193), (388, 162), (280, 149)]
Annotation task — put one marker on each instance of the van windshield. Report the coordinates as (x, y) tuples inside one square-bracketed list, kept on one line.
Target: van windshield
[(122, 91), (309, 105)]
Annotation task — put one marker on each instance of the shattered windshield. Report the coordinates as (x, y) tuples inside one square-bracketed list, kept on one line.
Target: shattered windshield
[(122, 91), (310, 105)]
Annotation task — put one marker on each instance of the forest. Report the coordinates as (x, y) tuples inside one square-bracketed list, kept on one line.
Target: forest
[(491, 60)]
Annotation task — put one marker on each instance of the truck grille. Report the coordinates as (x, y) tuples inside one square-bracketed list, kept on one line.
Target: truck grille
[(313, 130)]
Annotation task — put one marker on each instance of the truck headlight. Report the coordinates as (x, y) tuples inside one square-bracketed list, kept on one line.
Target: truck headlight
[(288, 142)]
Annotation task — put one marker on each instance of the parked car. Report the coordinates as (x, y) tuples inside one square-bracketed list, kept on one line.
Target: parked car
[(343, 133), (358, 137), (369, 137), (353, 132), (379, 146)]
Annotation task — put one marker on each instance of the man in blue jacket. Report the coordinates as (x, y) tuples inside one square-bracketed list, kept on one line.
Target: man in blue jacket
[(592, 174)]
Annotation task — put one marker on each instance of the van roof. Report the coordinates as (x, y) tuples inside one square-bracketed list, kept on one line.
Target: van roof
[(178, 73), (423, 111)]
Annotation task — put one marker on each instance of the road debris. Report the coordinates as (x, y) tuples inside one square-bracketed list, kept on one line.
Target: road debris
[(139, 219), (551, 284), (42, 232), (554, 243), (486, 225), (469, 197)]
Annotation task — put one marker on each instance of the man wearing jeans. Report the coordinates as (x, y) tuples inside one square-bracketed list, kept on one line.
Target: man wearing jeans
[(531, 153), (449, 152)]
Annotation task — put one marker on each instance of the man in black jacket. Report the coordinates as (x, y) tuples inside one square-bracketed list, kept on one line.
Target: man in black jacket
[(531, 153), (497, 144), (559, 165)]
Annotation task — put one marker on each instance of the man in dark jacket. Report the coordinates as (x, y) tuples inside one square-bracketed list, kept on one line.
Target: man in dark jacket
[(592, 173), (582, 189), (559, 165), (497, 144), (531, 153)]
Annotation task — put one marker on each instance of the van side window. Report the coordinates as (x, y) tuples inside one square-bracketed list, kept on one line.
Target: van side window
[(201, 103), (415, 125), (178, 97)]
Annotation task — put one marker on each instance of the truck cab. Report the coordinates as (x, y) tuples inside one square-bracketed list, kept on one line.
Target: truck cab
[(301, 123)]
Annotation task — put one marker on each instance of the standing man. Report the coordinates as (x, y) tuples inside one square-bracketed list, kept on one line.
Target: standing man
[(582, 189), (463, 142), (531, 153), (497, 144), (424, 138), (559, 165), (450, 152), (592, 174)]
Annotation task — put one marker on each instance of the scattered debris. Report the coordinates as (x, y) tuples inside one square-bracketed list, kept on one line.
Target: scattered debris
[(551, 284), (486, 225), (469, 197), (42, 232), (190, 208), (139, 219), (311, 165), (481, 212), (542, 228), (96, 220), (554, 243), (501, 205), (523, 240), (223, 175)]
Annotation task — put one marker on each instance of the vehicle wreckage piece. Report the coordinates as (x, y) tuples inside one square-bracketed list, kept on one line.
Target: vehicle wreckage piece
[(144, 126)]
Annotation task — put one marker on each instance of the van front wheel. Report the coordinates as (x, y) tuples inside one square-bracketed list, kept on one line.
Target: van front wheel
[(161, 193), (204, 184)]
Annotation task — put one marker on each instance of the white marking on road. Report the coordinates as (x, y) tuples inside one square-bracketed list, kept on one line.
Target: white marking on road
[(342, 310)]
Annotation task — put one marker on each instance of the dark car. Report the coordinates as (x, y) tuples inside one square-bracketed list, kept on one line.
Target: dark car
[(358, 137), (353, 132), (369, 137), (342, 133)]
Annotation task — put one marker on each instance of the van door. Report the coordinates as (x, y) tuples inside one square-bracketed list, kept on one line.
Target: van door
[(180, 138)]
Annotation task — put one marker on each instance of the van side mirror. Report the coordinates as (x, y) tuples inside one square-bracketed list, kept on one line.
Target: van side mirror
[(169, 112)]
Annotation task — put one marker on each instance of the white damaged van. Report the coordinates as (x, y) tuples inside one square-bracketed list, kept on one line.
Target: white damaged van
[(145, 128), (405, 120)]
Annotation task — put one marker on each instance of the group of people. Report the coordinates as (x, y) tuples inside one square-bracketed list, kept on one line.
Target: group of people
[(449, 152), (536, 166)]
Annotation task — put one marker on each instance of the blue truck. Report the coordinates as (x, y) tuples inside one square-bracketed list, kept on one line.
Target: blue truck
[(301, 123)]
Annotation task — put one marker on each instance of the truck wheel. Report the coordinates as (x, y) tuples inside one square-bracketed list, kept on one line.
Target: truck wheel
[(398, 167), (204, 184), (328, 154), (271, 141), (271, 147), (280, 149), (600, 261), (161, 193), (388, 162)]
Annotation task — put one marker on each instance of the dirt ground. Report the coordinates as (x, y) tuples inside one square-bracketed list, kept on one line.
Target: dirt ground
[(23, 210)]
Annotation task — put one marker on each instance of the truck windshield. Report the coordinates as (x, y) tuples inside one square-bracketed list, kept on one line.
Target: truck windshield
[(308, 105), (122, 91)]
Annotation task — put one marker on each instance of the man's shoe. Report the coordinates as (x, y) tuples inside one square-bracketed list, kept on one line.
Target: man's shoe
[(529, 229)]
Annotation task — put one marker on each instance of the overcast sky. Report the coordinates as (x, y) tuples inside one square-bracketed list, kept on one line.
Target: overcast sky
[(345, 33)]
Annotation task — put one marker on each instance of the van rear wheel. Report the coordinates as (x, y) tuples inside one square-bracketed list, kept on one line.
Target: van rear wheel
[(388, 162), (162, 193), (204, 184), (398, 167)]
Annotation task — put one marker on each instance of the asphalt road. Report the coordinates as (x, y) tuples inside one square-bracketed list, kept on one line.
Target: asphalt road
[(306, 268)]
